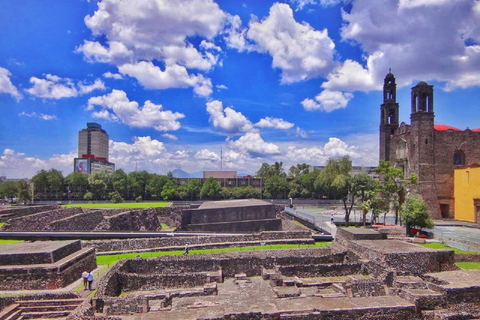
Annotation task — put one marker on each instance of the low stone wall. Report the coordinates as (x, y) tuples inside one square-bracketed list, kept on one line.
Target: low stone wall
[(152, 243), (40, 221), (134, 282), (6, 301), (324, 270), (239, 226), (467, 257), (365, 288), (135, 220), (87, 221), (19, 254), (50, 276), (215, 215), (14, 212)]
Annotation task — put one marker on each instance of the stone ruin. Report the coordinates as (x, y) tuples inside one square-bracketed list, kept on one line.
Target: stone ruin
[(247, 215), (43, 264), (362, 275)]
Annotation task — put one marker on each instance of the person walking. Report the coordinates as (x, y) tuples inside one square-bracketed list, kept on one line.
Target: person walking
[(85, 281), (90, 280), (186, 249), (331, 218)]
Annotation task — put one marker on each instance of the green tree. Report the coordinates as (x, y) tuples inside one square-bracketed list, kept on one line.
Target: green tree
[(415, 213), (335, 182), (99, 183), (193, 189), (394, 185), (55, 179), (363, 186), (40, 180), (77, 183), (266, 171), (155, 185), (298, 170), (138, 181), (120, 182), (276, 186), (24, 192), (115, 197), (211, 189), (169, 190), (9, 189), (88, 196)]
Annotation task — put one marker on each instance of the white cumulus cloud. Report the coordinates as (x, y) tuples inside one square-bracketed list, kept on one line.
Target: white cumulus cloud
[(228, 120), (38, 115), (116, 106), (328, 101), (54, 87), (276, 123), (6, 85), (254, 145)]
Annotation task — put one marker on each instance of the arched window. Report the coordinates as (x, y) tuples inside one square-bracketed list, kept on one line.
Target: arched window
[(459, 158)]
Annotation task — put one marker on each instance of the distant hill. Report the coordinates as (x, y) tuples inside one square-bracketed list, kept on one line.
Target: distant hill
[(179, 173)]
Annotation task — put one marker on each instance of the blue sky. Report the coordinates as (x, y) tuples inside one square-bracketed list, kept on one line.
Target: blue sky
[(175, 82)]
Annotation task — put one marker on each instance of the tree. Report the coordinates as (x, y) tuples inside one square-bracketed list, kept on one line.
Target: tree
[(115, 197), (9, 189), (363, 186), (77, 183), (266, 171), (99, 182), (120, 182), (276, 186), (138, 181), (155, 185), (211, 189), (55, 179), (298, 170), (394, 185), (193, 189), (334, 181), (169, 190), (24, 193), (415, 213)]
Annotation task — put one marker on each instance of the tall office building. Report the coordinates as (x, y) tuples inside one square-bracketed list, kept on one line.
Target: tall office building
[(92, 150), (93, 142)]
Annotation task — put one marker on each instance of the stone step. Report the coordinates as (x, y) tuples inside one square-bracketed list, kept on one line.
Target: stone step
[(10, 311), (410, 282), (424, 299), (27, 303), (64, 307), (45, 315)]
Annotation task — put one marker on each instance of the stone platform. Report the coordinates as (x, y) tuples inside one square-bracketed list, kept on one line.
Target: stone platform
[(248, 215), (43, 264)]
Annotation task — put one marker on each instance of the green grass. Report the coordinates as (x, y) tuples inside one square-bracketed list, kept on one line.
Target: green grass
[(102, 271), (6, 241), (444, 246), (2, 223), (166, 227), (130, 205), (110, 259), (468, 265)]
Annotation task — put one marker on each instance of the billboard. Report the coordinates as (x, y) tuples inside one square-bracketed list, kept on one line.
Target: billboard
[(82, 165)]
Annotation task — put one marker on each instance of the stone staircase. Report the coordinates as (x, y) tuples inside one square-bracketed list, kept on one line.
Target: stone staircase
[(40, 309)]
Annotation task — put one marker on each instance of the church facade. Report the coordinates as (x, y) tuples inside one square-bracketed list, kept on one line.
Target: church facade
[(431, 151)]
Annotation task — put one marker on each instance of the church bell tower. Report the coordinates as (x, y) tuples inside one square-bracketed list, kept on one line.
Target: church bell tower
[(388, 115)]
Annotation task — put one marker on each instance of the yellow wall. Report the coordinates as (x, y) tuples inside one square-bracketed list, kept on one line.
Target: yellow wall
[(467, 188)]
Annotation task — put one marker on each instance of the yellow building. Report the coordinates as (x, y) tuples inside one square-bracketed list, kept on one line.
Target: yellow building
[(467, 194)]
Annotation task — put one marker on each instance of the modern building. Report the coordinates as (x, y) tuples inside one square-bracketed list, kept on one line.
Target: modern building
[(93, 142), (219, 174), (431, 151), (369, 170), (92, 150)]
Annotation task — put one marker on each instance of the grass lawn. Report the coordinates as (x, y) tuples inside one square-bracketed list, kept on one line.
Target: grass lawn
[(130, 205), (444, 246), (468, 265), (110, 259), (5, 241), (2, 223)]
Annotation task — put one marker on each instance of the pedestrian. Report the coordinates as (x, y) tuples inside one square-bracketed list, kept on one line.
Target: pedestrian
[(90, 280), (85, 281), (186, 249), (331, 218)]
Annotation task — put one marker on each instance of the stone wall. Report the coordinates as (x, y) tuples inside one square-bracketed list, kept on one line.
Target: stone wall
[(15, 212), (239, 226), (10, 299), (134, 282), (40, 221), (323, 270), (47, 276), (135, 220), (155, 243), (80, 222), (260, 212)]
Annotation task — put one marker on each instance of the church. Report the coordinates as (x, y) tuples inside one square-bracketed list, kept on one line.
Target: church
[(431, 151)]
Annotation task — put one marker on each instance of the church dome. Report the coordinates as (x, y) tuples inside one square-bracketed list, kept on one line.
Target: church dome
[(443, 127), (422, 83)]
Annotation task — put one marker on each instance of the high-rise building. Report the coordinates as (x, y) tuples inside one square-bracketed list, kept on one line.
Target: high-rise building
[(92, 150), (93, 142)]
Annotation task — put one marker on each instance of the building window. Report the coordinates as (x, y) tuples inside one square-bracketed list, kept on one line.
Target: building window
[(459, 158)]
